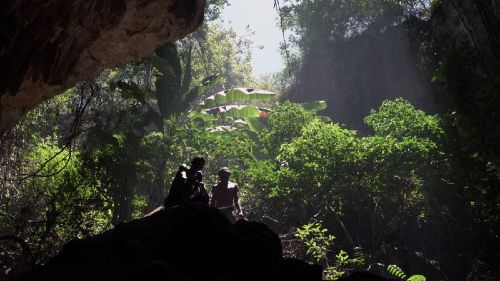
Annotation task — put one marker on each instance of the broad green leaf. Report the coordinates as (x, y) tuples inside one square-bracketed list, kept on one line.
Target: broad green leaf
[(238, 95), (167, 94), (255, 124), (234, 111), (201, 90), (417, 278), (223, 129), (168, 52), (201, 115), (315, 106), (325, 119), (187, 78)]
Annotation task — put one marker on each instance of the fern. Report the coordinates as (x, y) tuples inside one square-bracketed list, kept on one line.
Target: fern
[(396, 272), (417, 278)]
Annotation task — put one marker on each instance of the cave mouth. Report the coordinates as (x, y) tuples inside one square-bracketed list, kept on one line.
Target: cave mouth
[(418, 166), (48, 49)]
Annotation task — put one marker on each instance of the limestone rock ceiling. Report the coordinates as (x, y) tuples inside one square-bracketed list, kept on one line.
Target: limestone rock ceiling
[(48, 46)]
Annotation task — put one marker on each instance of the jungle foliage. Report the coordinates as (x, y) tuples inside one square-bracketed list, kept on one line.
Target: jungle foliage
[(413, 194)]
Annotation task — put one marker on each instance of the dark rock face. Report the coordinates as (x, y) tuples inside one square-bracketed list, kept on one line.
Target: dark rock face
[(355, 76), (47, 46), (475, 24), (188, 243), (182, 243), (294, 269)]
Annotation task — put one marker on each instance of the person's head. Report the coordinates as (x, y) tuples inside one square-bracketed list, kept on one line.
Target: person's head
[(197, 163), (224, 174)]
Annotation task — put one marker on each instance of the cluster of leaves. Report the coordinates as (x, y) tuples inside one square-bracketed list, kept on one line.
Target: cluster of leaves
[(393, 188), (413, 173), (64, 177), (398, 273), (318, 244), (414, 178), (316, 239), (318, 21), (61, 201)]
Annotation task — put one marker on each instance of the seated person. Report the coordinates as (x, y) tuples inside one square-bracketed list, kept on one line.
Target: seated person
[(187, 186)]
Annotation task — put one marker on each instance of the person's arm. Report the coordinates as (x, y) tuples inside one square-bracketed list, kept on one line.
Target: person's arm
[(184, 191)]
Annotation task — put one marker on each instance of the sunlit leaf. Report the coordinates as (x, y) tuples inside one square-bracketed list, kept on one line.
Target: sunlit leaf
[(315, 106), (238, 95), (417, 278)]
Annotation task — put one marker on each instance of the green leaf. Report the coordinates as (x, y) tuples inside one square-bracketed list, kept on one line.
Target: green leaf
[(201, 115), (325, 119), (188, 76), (168, 53), (167, 92), (417, 278), (200, 90), (255, 124), (132, 91), (396, 271), (314, 106), (234, 111), (238, 95)]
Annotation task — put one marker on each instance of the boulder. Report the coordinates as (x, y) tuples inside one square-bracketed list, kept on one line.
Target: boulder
[(187, 243), (181, 243)]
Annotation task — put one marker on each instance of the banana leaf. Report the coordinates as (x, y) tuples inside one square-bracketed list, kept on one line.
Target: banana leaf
[(168, 53), (314, 106), (234, 111), (255, 124), (238, 95), (200, 90), (199, 114)]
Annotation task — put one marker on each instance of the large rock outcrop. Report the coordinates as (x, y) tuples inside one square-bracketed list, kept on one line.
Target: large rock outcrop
[(475, 24), (47, 46), (356, 75), (180, 243), (467, 33)]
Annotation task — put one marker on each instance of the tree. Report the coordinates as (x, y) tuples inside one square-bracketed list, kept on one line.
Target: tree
[(355, 54), (285, 123), (400, 119), (216, 49)]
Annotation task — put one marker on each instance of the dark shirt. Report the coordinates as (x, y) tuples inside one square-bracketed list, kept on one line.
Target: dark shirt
[(187, 187), (176, 195)]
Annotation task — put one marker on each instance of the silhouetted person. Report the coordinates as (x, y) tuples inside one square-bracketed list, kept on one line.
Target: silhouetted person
[(175, 195), (225, 195), (187, 186), (195, 188)]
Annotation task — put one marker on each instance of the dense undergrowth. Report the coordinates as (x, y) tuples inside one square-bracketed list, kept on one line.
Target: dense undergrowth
[(416, 190)]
